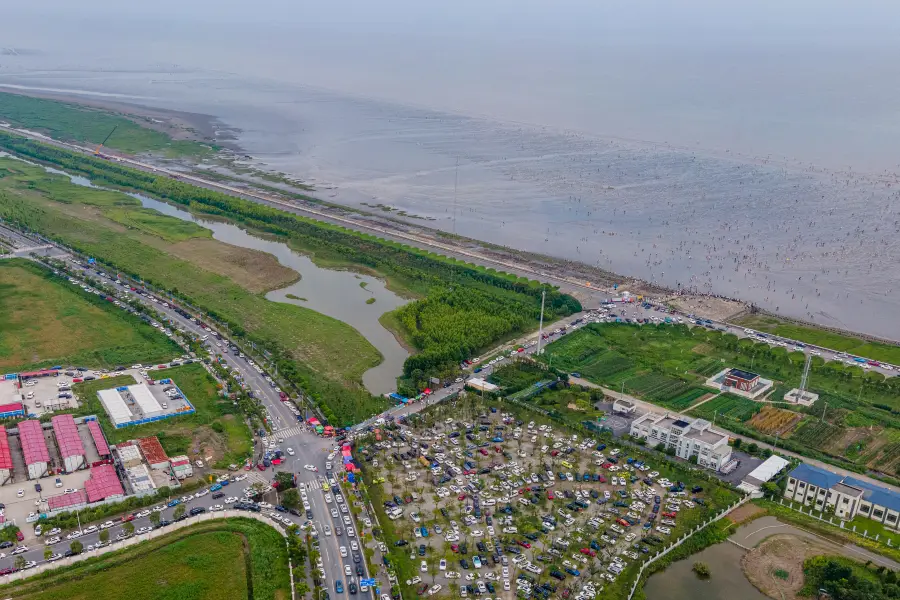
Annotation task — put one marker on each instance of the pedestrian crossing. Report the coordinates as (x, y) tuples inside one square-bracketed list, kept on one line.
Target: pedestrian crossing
[(285, 433)]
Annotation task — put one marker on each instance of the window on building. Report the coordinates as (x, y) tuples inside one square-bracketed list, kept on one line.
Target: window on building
[(891, 518), (846, 500), (864, 509), (877, 513)]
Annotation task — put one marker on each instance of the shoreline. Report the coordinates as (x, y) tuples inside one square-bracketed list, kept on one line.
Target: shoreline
[(598, 283)]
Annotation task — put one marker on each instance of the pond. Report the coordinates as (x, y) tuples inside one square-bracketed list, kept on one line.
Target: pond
[(727, 580), (343, 295)]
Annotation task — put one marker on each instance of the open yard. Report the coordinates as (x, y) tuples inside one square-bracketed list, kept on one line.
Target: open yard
[(216, 429), (44, 321), (513, 501), (206, 561)]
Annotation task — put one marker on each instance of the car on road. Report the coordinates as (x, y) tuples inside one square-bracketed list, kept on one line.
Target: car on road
[(338, 586), (54, 540), (312, 468), (290, 451), (19, 550)]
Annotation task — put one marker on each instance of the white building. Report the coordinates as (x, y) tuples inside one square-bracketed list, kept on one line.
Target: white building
[(848, 497), (687, 438), (481, 385), (624, 407), (770, 467)]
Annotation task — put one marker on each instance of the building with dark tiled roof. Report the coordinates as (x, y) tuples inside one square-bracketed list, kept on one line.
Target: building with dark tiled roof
[(847, 496)]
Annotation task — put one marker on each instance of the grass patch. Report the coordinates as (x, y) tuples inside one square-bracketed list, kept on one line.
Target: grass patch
[(45, 320), (83, 124), (370, 301), (231, 559), (294, 297)]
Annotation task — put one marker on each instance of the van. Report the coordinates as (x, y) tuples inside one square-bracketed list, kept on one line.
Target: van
[(58, 482)]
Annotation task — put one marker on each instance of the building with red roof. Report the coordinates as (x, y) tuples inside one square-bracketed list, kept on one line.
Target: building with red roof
[(69, 442), (34, 447), (99, 439), (103, 484), (12, 410), (6, 464), (70, 501), (153, 452)]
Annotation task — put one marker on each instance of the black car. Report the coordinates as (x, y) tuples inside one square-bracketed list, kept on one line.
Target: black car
[(356, 557), (352, 587), (197, 510), (359, 571), (421, 549), (464, 563), (397, 543), (309, 514), (163, 523), (218, 495), (6, 544)]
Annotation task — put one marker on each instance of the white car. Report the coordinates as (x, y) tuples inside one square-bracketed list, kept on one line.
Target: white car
[(216, 507), (312, 468), (343, 550), (106, 525), (290, 451), (53, 540)]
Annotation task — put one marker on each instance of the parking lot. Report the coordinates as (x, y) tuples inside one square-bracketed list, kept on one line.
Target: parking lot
[(39, 395), (18, 508), (478, 500)]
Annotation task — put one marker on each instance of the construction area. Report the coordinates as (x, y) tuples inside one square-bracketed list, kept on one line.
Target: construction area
[(144, 403)]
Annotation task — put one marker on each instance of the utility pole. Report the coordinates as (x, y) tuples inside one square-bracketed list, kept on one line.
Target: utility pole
[(541, 326), (824, 406)]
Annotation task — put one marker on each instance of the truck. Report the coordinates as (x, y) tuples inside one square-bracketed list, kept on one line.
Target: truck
[(424, 462)]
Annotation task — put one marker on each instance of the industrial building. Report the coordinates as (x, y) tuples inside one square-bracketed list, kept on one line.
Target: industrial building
[(623, 407), (12, 410), (103, 484), (153, 452), (100, 442), (481, 385), (69, 501), (138, 404), (6, 463), (688, 438), (129, 454), (767, 471), (847, 496), (71, 450), (140, 479), (34, 447), (181, 466)]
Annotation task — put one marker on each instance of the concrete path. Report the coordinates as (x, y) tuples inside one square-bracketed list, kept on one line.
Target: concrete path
[(752, 534)]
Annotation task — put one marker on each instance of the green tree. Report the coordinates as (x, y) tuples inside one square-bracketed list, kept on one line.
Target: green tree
[(128, 528), (752, 448), (155, 518), (285, 480), (76, 547), (179, 512), (290, 499), (104, 535), (19, 563), (770, 489), (48, 552), (736, 443)]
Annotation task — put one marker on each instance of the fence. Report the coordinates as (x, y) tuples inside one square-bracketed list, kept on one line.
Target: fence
[(137, 539), (680, 541), (840, 523)]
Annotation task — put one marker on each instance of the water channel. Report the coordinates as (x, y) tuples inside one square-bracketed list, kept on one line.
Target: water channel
[(338, 294)]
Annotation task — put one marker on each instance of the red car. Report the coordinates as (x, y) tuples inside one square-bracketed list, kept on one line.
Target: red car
[(455, 547), (261, 467), (498, 449), (524, 544), (20, 536), (588, 552), (128, 518), (461, 497), (607, 465), (670, 515), (554, 453), (483, 451), (550, 495)]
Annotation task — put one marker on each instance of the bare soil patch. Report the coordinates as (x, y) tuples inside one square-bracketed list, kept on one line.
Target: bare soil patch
[(718, 309), (253, 270), (746, 513), (775, 567)]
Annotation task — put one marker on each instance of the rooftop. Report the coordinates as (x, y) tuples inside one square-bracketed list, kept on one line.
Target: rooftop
[(67, 437), (742, 374), (707, 436), (12, 407), (847, 490), (5, 454), (98, 437), (128, 453), (65, 500), (768, 469), (103, 483), (34, 447), (153, 450)]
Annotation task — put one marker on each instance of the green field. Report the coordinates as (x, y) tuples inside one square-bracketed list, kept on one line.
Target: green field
[(216, 429), (86, 125), (826, 339), (236, 559), (45, 320), (727, 407)]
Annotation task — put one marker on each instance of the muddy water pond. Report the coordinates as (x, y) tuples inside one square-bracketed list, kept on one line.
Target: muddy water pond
[(727, 581), (358, 300)]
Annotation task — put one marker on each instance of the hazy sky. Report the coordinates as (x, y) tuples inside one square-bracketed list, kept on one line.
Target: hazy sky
[(810, 78)]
